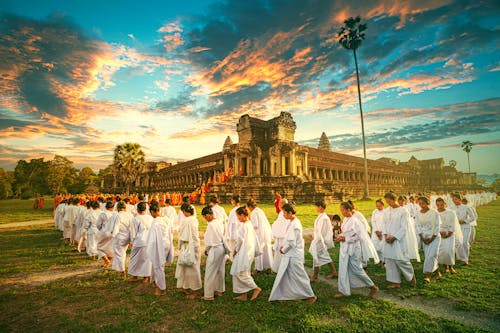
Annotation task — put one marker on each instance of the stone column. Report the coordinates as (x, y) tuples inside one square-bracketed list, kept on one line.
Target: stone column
[(293, 168)]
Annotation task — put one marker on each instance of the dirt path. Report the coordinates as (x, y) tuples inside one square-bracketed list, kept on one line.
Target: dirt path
[(434, 307), (41, 278), (25, 224)]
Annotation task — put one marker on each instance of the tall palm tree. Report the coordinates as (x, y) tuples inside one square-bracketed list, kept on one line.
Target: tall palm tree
[(467, 147), (128, 162), (350, 37)]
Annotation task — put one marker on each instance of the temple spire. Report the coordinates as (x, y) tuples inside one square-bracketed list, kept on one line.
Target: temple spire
[(227, 143), (324, 142)]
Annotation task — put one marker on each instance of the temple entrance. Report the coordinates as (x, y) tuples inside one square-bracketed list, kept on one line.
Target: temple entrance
[(243, 167)]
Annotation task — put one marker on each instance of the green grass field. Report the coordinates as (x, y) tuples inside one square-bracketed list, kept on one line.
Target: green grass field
[(103, 302), (17, 210)]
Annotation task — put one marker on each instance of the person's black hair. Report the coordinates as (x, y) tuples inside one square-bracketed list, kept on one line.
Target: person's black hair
[(289, 208), (100, 199), (379, 201), (207, 211), (424, 199), (236, 198), (440, 200), (185, 207), (94, 204), (141, 197), (142, 206), (457, 195), (120, 206), (347, 205), (155, 207), (242, 211), (251, 203), (168, 201), (118, 199), (185, 199), (320, 203), (127, 200), (213, 199), (88, 204), (75, 201), (352, 204), (390, 195), (109, 204), (336, 217)]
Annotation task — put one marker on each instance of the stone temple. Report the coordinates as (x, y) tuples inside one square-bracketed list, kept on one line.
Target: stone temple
[(267, 159)]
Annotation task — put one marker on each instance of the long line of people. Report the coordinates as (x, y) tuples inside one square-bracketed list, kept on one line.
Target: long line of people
[(107, 229)]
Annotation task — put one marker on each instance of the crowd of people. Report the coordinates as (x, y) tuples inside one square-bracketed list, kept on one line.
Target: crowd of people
[(442, 226)]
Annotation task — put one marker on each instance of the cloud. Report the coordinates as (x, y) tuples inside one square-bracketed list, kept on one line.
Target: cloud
[(449, 121), (292, 56)]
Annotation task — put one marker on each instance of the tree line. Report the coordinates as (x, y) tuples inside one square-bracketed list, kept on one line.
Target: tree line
[(40, 176), (59, 175)]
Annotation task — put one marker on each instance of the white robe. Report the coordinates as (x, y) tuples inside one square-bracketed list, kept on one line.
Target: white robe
[(449, 223), (216, 264), (58, 216), (220, 214), (464, 213), (362, 218), (322, 241), (396, 254), (351, 272), (189, 277), (264, 235), (159, 249), (106, 224), (428, 225), (232, 230), (122, 233), (292, 282), (246, 245), (89, 225), (168, 212), (377, 225), (139, 264), (278, 230)]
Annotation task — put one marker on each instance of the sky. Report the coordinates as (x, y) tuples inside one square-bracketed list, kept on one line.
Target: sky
[(78, 77)]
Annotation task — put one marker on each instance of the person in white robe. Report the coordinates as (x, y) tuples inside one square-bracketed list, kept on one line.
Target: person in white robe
[(263, 231), (357, 214), (219, 212), (106, 224), (189, 277), (428, 225), (69, 218), (81, 234), (59, 216), (139, 264), (414, 243), (450, 234), (168, 210), (244, 254), (473, 224), (292, 282), (123, 231), (159, 248), (395, 250), (321, 242), (377, 220), (465, 218), (180, 216), (215, 250), (278, 230), (351, 272), (90, 227), (232, 225)]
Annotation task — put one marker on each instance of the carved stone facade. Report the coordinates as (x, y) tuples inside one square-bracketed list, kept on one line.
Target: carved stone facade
[(267, 159)]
